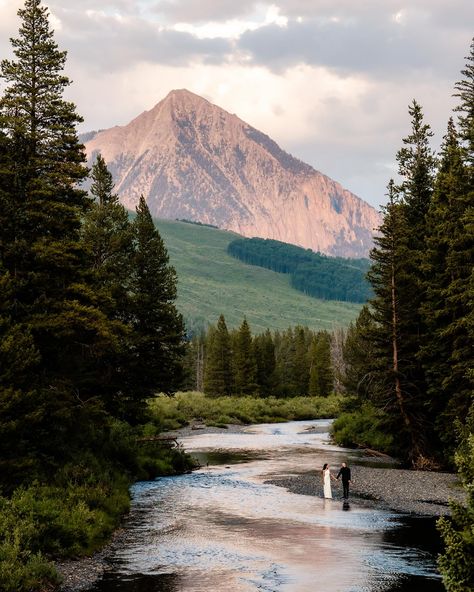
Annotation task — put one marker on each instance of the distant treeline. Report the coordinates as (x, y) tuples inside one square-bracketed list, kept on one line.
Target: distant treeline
[(331, 278), (196, 223), (295, 362)]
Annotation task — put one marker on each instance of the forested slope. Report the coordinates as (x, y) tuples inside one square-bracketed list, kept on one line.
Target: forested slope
[(330, 278), (211, 282)]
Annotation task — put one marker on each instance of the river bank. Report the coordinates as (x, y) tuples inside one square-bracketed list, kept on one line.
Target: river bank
[(419, 493)]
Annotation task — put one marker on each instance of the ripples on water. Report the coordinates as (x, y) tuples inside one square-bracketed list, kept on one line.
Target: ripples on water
[(223, 529)]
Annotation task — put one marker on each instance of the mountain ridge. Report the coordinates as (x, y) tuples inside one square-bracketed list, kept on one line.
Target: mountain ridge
[(193, 160)]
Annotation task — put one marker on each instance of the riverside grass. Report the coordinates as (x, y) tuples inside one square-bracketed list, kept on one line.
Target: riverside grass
[(75, 513), (211, 282), (184, 407)]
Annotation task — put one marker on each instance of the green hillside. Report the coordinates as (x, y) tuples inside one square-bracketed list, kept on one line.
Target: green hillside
[(211, 282)]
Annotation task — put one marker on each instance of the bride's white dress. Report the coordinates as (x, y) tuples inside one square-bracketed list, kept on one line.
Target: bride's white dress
[(327, 484)]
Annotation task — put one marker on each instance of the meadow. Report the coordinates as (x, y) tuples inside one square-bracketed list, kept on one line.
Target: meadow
[(171, 413), (211, 282)]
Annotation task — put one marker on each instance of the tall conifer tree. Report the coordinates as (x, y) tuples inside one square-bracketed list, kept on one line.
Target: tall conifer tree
[(244, 362), (41, 249), (157, 341), (417, 167), (448, 262), (265, 356), (218, 371), (321, 376), (301, 364), (107, 235), (391, 387), (358, 359)]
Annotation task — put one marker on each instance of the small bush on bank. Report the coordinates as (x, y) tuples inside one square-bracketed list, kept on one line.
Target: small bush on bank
[(22, 570), (184, 407), (364, 428)]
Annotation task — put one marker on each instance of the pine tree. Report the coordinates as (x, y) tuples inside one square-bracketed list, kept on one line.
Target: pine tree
[(301, 363), (448, 263), (42, 127), (452, 305), (157, 342), (321, 376), (338, 338), (218, 372), (417, 166), (108, 238), (465, 92), (391, 385), (265, 356), (40, 247), (455, 563), (285, 352), (245, 366), (358, 359)]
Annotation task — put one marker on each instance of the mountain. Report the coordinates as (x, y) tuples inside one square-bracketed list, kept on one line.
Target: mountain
[(193, 160), (210, 282)]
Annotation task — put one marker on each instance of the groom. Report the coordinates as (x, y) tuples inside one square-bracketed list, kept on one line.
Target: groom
[(345, 473)]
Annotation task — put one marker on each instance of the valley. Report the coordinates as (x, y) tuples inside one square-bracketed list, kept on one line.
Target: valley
[(211, 282)]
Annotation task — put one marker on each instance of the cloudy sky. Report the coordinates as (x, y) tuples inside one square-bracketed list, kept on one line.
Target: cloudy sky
[(329, 80)]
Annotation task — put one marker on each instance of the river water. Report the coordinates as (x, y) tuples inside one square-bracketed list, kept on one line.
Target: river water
[(222, 528)]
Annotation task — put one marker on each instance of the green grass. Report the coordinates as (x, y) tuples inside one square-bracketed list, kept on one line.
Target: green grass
[(179, 410), (211, 282), (74, 513)]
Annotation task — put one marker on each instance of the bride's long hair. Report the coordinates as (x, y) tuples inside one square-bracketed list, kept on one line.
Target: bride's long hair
[(325, 466)]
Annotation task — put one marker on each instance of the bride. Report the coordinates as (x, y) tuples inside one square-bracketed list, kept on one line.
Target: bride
[(327, 481)]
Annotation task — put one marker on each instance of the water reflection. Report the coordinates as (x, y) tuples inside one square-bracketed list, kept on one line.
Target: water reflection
[(224, 528)]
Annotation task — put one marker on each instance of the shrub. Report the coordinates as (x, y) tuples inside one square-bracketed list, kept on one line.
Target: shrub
[(364, 428), (189, 406)]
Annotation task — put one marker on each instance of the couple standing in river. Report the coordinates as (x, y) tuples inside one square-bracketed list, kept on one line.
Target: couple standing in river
[(344, 473)]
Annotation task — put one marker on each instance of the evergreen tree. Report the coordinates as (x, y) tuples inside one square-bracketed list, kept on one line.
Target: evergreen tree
[(321, 375), (301, 364), (194, 363), (391, 386), (245, 366), (285, 351), (358, 359), (455, 563), (465, 92), (338, 338), (107, 237), (452, 305), (266, 363), (157, 339), (40, 248), (218, 371), (417, 166), (448, 263)]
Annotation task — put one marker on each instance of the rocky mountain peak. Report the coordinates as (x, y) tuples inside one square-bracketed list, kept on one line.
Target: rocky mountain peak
[(191, 159)]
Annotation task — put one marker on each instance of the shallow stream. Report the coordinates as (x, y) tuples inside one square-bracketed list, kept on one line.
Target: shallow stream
[(222, 528)]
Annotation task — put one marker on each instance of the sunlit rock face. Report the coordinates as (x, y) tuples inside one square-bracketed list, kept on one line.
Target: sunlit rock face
[(193, 160)]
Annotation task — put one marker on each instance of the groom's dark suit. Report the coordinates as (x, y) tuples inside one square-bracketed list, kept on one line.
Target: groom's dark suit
[(345, 473)]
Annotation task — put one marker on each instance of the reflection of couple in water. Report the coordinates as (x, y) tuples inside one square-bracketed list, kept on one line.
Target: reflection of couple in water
[(344, 473)]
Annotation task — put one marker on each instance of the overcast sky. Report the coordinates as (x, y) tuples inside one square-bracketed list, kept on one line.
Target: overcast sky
[(329, 80)]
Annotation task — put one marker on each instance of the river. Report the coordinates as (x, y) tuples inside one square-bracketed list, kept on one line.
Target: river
[(222, 528)]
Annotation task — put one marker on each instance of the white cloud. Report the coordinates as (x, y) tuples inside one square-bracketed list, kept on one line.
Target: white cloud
[(330, 80), (233, 28)]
